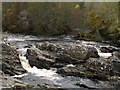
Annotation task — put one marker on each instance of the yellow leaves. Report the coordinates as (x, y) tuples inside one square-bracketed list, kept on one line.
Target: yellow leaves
[(11, 13), (77, 6), (9, 10), (118, 29), (112, 35), (12, 27), (97, 16)]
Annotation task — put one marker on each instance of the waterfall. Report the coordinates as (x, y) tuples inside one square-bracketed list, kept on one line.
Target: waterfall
[(100, 53), (47, 74)]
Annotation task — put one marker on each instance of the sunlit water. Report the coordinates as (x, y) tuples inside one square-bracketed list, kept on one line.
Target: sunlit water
[(35, 75)]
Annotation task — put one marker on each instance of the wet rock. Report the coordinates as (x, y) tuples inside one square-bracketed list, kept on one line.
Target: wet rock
[(85, 85), (10, 62), (102, 68), (50, 47), (68, 53), (94, 68), (66, 58), (82, 52), (39, 59), (116, 54), (108, 49), (22, 85), (99, 68), (58, 65), (10, 82), (45, 85), (116, 62), (71, 71), (28, 46)]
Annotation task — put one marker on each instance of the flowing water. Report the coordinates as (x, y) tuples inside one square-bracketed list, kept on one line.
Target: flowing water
[(35, 75)]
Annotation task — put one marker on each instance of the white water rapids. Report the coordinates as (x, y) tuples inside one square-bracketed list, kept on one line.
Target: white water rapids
[(103, 55), (47, 74), (50, 76)]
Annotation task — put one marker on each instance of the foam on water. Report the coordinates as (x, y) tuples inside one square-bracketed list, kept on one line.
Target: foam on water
[(103, 55), (47, 74), (70, 65)]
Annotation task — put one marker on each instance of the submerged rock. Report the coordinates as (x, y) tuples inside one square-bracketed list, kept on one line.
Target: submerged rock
[(10, 62)]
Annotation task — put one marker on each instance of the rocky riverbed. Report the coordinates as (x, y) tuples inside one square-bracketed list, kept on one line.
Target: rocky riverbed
[(59, 62)]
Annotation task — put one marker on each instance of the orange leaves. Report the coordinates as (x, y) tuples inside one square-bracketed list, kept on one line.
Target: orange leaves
[(85, 36), (91, 13), (97, 21)]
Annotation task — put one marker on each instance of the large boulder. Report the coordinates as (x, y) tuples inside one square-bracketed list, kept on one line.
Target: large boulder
[(39, 58), (69, 53), (78, 71), (10, 62), (49, 55), (115, 59), (99, 68), (94, 68)]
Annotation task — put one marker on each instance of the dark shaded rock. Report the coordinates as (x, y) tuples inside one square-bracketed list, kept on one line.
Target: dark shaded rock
[(108, 49), (66, 58), (29, 46), (10, 62), (39, 59), (94, 68), (70, 71), (115, 59), (68, 53), (116, 54), (58, 65), (99, 68)]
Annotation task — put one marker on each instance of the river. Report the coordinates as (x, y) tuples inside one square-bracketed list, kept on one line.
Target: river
[(35, 75)]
